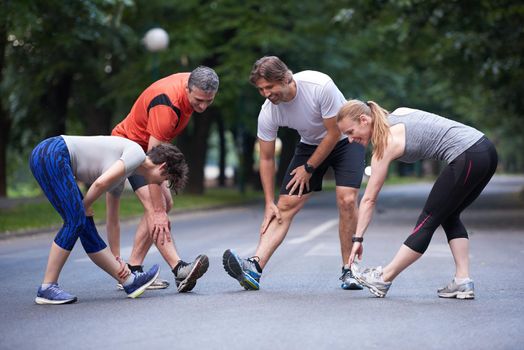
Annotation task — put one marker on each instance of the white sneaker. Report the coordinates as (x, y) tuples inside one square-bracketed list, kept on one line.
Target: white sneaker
[(157, 284), (460, 291), (371, 278)]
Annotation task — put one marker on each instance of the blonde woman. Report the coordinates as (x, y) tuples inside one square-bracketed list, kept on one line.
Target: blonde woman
[(409, 135)]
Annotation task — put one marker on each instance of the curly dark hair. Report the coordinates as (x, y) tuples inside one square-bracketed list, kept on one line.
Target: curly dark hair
[(176, 166)]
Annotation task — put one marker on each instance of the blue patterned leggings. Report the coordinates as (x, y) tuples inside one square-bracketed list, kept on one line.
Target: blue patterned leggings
[(51, 167)]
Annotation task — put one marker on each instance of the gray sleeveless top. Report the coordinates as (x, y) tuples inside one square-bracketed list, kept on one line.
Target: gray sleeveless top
[(429, 136), (91, 156)]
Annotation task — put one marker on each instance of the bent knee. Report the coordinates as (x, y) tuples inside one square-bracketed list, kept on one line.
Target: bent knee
[(290, 204), (347, 202)]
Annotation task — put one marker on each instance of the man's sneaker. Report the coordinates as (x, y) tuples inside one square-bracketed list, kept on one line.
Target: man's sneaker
[(53, 295), (186, 274), (348, 281), (459, 291), (142, 281), (157, 284), (372, 279), (243, 270)]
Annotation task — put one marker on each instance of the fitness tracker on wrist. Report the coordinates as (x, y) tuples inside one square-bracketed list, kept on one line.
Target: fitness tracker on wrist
[(309, 168), (357, 239)]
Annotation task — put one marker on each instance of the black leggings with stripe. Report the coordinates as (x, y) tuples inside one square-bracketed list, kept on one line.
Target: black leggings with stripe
[(459, 184)]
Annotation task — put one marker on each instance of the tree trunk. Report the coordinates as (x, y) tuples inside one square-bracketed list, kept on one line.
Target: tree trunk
[(221, 151), (54, 102), (97, 121), (5, 122), (5, 125), (193, 143)]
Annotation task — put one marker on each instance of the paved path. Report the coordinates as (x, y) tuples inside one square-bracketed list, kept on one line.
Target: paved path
[(300, 304)]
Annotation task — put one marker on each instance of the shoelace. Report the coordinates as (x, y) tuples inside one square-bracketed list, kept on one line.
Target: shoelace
[(252, 265), (346, 273), (254, 258), (373, 272), (55, 290)]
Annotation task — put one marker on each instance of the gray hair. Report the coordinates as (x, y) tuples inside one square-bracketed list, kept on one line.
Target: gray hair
[(204, 78)]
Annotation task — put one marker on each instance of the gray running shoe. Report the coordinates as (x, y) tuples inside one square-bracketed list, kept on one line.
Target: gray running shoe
[(371, 278), (348, 281), (243, 270), (459, 291), (187, 273), (157, 284)]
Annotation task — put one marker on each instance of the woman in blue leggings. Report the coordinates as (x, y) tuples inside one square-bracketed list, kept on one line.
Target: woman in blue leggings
[(104, 162), (409, 135)]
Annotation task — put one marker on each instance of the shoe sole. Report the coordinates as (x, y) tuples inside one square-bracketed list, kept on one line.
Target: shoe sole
[(351, 286), (458, 295), (44, 301), (153, 286), (200, 268), (142, 289), (234, 269), (372, 289)]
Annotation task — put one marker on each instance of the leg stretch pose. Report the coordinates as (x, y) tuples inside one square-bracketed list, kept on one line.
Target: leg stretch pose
[(408, 135), (306, 101), (161, 113), (185, 274), (51, 166)]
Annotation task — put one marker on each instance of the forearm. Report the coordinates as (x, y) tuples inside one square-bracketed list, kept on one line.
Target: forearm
[(365, 213), (113, 223), (94, 192), (267, 178), (323, 149), (157, 199)]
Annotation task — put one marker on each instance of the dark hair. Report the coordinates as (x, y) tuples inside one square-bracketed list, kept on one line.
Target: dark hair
[(204, 78), (270, 68), (176, 166)]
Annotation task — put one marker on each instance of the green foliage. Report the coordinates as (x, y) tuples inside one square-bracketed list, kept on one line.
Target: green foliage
[(78, 66), (39, 214)]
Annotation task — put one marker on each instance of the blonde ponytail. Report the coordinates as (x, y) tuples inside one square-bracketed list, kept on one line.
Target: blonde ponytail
[(353, 109)]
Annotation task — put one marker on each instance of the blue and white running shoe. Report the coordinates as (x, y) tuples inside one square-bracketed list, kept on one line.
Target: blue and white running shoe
[(348, 281), (53, 295), (142, 281), (243, 270)]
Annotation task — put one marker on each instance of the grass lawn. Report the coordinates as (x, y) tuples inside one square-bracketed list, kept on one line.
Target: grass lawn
[(40, 214)]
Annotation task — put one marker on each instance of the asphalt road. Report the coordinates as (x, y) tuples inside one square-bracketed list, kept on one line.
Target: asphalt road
[(300, 304)]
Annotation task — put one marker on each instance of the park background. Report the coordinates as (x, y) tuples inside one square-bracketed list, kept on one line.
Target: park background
[(76, 67)]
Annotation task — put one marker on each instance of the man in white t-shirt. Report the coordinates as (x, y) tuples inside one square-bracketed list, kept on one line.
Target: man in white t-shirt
[(308, 102)]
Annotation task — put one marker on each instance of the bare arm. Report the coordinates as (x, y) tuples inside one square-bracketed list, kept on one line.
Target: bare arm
[(267, 169), (158, 220), (267, 178), (379, 171), (102, 184), (113, 223), (301, 178)]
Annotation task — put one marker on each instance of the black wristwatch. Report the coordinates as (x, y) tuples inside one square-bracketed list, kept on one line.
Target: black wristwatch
[(309, 168), (357, 239)]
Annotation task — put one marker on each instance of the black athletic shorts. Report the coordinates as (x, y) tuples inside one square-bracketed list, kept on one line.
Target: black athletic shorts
[(346, 159), (137, 181)]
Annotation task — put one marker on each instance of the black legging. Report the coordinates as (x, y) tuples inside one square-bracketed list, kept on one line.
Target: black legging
[(459, 184)]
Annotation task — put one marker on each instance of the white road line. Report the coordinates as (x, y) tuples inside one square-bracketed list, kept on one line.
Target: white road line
[(317, 231), (323, 249)]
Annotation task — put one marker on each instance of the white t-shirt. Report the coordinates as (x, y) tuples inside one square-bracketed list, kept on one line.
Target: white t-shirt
[(317, 98), (91, 156)]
